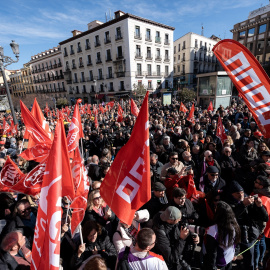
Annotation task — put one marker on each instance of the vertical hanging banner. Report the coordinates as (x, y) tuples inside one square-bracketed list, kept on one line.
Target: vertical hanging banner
[(249, 78)]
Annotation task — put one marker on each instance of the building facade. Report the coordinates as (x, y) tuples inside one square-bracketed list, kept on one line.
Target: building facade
[(27, 79), (193, 55), (16, 84), (254, 33), (47, 74), (111, 59)]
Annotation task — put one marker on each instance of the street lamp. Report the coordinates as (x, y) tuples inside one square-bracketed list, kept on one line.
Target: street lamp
[(5, 61)]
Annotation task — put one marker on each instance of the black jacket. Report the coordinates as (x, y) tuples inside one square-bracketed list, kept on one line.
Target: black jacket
[(220, 184), (228, 167), (168, 242)]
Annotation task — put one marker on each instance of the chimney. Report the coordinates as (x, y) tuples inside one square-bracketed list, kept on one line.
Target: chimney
[(118, 13), (76, 32), (94, 24)]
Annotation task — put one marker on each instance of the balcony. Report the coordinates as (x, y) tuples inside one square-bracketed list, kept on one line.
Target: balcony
[(89, 63), (55, 66), (87, 47), (111, 89), (167, 59), (121, 88), (148, 38), (98, 61), (82, 80), (65, 54), (149, 56), (109, 76), (79, 49), (76, 81), (166, 42), (138, 36), (50, 67), (107, 40), (67, 69), (120, 74), (138, 55), (90, 79), (108, 59), (100, 78), (97, 43), (73, 66), (81, 65), (118, 36), (71, 52), (157, 39), (119, 56), (158, 58), (183, 59), (59, 64)]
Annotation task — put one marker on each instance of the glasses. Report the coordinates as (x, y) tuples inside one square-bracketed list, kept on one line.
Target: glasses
[(210, 156), (174, 158), (97, 198), (227, 151), (26, 209), (214, 174)]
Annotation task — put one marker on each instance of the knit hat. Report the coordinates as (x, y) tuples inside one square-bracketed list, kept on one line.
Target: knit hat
[(212, 169), (171, 213), (234, 187)]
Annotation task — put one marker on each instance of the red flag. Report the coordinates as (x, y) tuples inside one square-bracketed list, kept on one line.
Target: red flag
[(13, 128), (110, 104), (75, 130), (190, 117), (6, 127), (95, 111), (39, 152), (96, 122), (133, 107), (249, 78), (35, 130), (57, 182), (220, 131), (10, 175), (120, 114), (210, 107), (101, 109), (81, 186), (183, 108), (127, 185)]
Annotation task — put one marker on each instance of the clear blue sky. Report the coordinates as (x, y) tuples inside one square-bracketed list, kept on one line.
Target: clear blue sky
[(38, 25)]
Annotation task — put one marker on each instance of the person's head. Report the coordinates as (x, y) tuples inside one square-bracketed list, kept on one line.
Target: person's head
[(212, 146), (247, 132), (23, 209), (227, 151), (159, 190), (265, 156), (173, 157), (66, 217), (186, 156), (228, 228), (261, 182), (179, 196), (96, 185), (213, 197), (12, 241), (212, 173), (262, 147), (171, 215), (258, 135), (236, 190), (146, 240), (96, 263), (153, 159), (95, 159), (250, 144), (195, 137), (90, 231), (233, 128), (166, 140), (208, 139), (208, 155), (94, 200), (195, 149)]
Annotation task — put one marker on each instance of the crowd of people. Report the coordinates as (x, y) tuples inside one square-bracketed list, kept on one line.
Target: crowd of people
[(222, 227)]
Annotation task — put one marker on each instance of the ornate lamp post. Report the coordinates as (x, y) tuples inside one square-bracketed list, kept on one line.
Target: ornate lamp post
[(5, 61)]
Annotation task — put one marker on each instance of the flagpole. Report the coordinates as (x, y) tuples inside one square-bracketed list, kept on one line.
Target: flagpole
[(82, 149), (80, 231), (67, 211), (22, 146)]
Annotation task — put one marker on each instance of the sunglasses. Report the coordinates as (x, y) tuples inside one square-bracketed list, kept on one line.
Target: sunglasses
[(174, 158), (26, 209), (214, 174), (97, 198), (227, 151), (210, 156)]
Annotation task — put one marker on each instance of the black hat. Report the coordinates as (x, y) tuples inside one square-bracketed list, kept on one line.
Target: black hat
[(212, 169), (265, 153), (159, 187), (235, 187), (265, 181), (172, 170)]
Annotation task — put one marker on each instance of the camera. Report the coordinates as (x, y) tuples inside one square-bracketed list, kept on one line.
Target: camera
[(194, 229), (188, 168), (256, 196)]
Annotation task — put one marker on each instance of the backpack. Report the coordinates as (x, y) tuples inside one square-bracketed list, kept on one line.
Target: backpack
[(123, 262)]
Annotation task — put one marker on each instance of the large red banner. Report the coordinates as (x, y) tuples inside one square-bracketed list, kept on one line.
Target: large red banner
[(249, 78), (127, 185)]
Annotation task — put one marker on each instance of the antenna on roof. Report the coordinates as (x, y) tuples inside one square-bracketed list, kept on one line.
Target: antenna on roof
[(202, 30), (105, 16)]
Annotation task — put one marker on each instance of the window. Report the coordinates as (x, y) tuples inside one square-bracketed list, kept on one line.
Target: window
[(179, 57), (73, 64), (174, 49), (196, 43), (87, 44), (184, 57), (139, 69), (79, 48), (184, 45), (148, 35), (251, 32), (122, 85), (82, 77), (158, 54), (183, 69), (97, 42), (167, 39), (67, 65), (179, 47), (149, 85), (158, 70), (200, 44), (138, 51), (242, 34), (100, 74), (178, 68), (71, 49), (260, 44), (137, 31), (111, 86), (148, 55), (110, 72), (250, 46), (89, 61), (158, 39), (118, 33), (91, 75), (107, 37), (262, 28), (98, 57), (166, 70), (149, 69), (80, 62), (65, 52), (108, 55), (166, 54), (119, 52), (75, 78)]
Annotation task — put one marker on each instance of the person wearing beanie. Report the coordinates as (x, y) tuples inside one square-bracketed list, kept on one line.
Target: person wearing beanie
[(250, 214), (171, 239), (262, 186)]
